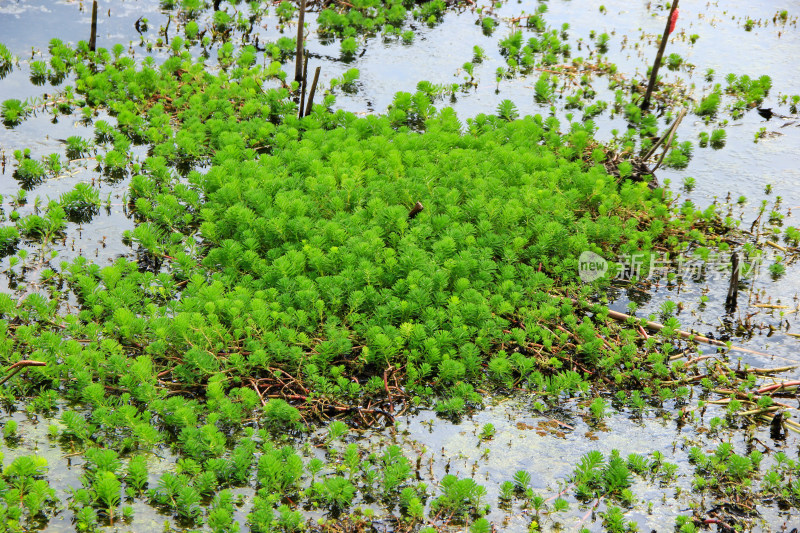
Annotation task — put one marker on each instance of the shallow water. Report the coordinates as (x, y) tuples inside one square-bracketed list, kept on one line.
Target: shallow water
[(548, 452)]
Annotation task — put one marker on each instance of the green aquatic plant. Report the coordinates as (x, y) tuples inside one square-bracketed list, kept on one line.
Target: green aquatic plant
[(103, 131), (709, 105), (348, 80), (174, 492), (597, 478), (39, 72), (777, 269), (77, 147), (679, 155), (602, 42), (13, 111), (521, 481), (30, 173), (222, 21), (81, 203), (795, 100), (334, 492), (732, 473), (511, 45), (337, 429), (507, 110), (369, 17), (285, 11), (481, 525), (598, 408), (507, 491), (791, 236), (543, 89), (536, 22), (284, 273), (6, 60), (349, 47), (137, 474), (103, 460), (25, 490), (53, 164), (469, 68), (43, 228), (461, 498), (614, 521), (488, 24), (105, 490), (10, 430), (487, 432), (748, 92), (718, 137), (674, 61), (9, 239), (430, 11), (191, 30)]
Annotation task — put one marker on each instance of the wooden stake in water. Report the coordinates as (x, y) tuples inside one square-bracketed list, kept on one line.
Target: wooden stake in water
[(733, 288), (303, 90), (298, 66), (670, 25), (93, 36), (311, 93)]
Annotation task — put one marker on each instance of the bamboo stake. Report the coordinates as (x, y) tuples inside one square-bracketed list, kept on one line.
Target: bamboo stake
[(312, 91), (298, 66), (93, 36), (664, 136), (303, 91), (662, 46), (733, 287), (669, 139)]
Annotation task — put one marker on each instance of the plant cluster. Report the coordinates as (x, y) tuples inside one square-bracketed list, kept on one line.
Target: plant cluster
[(28, 498), (748, 92), (724, 470), (599, 478), (6, 60), (289, 270), (373, 16)]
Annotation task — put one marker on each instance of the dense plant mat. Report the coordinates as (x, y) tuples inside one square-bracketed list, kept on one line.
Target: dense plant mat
[(296, 265), (330, 266), (298, 280)]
